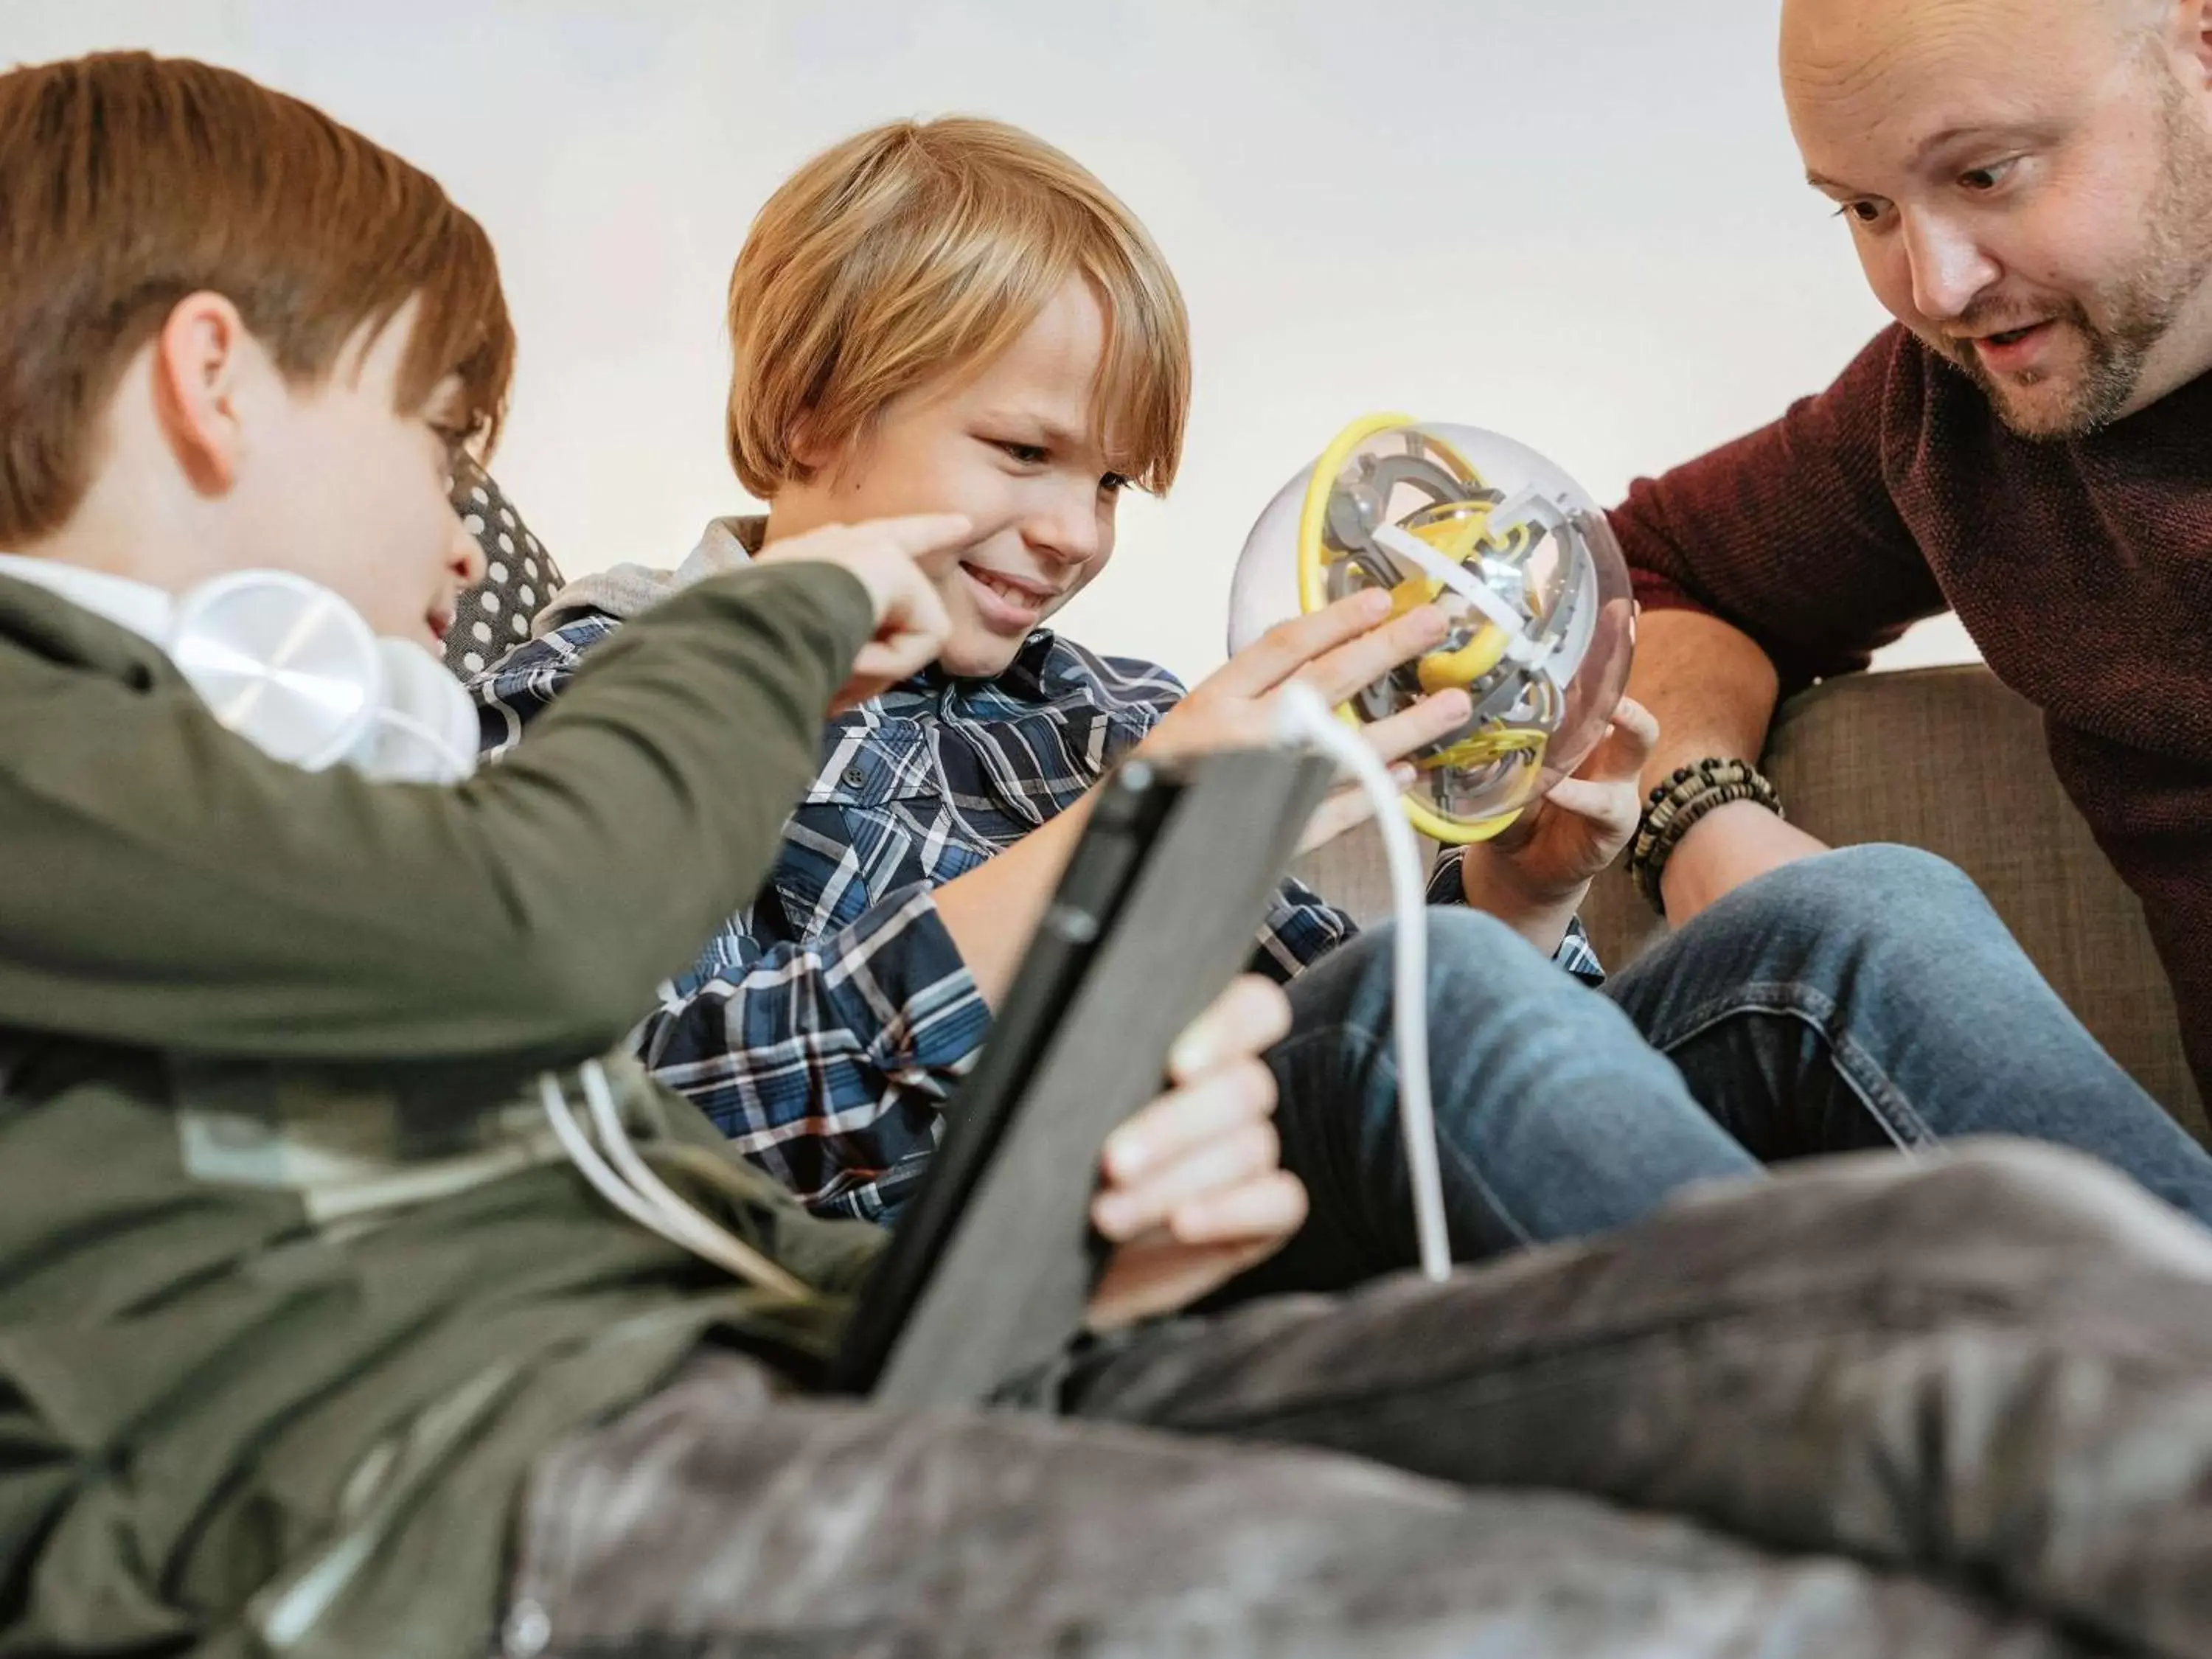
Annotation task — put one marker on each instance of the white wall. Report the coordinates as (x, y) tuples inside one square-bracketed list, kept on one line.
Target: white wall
[(1581, 223)]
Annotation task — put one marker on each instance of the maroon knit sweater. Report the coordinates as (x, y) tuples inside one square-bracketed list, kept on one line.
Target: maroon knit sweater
[(2083, 570)]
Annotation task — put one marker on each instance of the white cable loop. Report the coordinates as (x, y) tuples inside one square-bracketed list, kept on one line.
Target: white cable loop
[(631, 1186), (715, 1242)]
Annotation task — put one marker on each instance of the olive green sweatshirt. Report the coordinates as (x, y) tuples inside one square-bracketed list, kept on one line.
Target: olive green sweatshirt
[(294, 1280)]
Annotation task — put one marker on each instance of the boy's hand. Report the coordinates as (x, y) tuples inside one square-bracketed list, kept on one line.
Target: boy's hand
[(1544, 862), (1191, 1192), (910, 621), (1335, 651)]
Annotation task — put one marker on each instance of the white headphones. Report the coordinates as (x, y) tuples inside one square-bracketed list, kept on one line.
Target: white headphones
[(294, 670)]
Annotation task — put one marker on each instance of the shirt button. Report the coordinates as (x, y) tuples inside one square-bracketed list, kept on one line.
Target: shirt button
[(855, 776)]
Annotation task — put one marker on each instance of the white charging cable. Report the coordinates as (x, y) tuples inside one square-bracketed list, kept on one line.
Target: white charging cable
[(1304, 717), (631, 1186)]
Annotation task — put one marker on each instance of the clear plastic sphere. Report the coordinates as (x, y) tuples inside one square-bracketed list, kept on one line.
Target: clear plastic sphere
[(1521, 561)]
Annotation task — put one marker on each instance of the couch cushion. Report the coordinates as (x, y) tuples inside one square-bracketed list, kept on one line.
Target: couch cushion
[(493, 617)]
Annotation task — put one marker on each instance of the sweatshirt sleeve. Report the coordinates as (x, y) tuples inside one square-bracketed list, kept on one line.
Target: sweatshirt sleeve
[(1790, 534), (165, 885)]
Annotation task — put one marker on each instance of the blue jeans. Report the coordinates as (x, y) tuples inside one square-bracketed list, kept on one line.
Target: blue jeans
[(1866, 997)]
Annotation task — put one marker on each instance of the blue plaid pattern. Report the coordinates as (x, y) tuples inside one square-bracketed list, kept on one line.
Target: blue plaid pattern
[(826, 1026)]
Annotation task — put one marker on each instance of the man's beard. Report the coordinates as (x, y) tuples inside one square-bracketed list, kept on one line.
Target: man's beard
[(2138, 310)]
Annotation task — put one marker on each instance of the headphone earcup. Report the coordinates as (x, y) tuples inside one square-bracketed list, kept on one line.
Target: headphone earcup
[(426, 733), (283, 662)]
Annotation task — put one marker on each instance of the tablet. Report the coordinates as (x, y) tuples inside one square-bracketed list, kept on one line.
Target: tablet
[(992, 1266)]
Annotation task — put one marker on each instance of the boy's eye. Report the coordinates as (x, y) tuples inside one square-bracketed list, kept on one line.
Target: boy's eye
[(1980, 180), (1027, 455), (1113, 483), (1865, 212)]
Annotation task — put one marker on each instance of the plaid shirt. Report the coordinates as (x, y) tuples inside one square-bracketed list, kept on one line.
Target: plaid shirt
[(825, 1029)]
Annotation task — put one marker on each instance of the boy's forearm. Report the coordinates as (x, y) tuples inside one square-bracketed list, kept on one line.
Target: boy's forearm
[(992, 911), (194, 894)]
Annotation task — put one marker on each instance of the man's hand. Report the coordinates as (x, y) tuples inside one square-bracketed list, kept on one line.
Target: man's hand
[(1191, 1191), (1535, 875), (910, 621), (1336, 651)]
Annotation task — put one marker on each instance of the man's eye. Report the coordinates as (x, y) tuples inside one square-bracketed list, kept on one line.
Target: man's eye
[(1980, 180), (1865, 212)]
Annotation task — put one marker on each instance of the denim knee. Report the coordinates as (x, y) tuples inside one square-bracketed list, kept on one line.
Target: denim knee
[(1879, 889), (1476, 960)]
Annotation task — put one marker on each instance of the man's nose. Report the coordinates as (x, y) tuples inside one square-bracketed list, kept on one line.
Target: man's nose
[(1949, 268)]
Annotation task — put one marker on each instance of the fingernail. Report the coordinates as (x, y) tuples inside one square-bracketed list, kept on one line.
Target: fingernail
[(1126, 1156), (1106, 1215), (1403, 776), (1374, 601), (1460, 704)]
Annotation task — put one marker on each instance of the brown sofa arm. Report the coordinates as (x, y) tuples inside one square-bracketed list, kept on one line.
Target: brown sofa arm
[(1950, 760)]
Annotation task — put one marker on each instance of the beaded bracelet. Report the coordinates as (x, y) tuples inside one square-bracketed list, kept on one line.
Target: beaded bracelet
[(1676, 806)]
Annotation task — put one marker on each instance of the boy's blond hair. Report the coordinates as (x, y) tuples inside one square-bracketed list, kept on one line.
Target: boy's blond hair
[(919, 250)]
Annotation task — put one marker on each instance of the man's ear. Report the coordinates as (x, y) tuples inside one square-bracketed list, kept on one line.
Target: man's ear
[(202, 357)]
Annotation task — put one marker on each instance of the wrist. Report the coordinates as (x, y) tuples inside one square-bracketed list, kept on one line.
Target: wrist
[(1539, 911), (992, 911), (1731, 845), (1676, 808)]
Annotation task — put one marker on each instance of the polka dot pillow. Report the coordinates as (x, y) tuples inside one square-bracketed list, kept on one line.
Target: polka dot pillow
[(494, 617)]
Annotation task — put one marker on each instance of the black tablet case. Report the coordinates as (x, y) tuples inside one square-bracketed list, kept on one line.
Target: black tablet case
[(1008, 1288)]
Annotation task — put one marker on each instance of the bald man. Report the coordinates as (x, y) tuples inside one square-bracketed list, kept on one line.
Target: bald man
[(2028, 186)]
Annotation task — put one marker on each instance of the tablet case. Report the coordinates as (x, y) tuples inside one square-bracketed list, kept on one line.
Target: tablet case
[(1009, 1288)]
